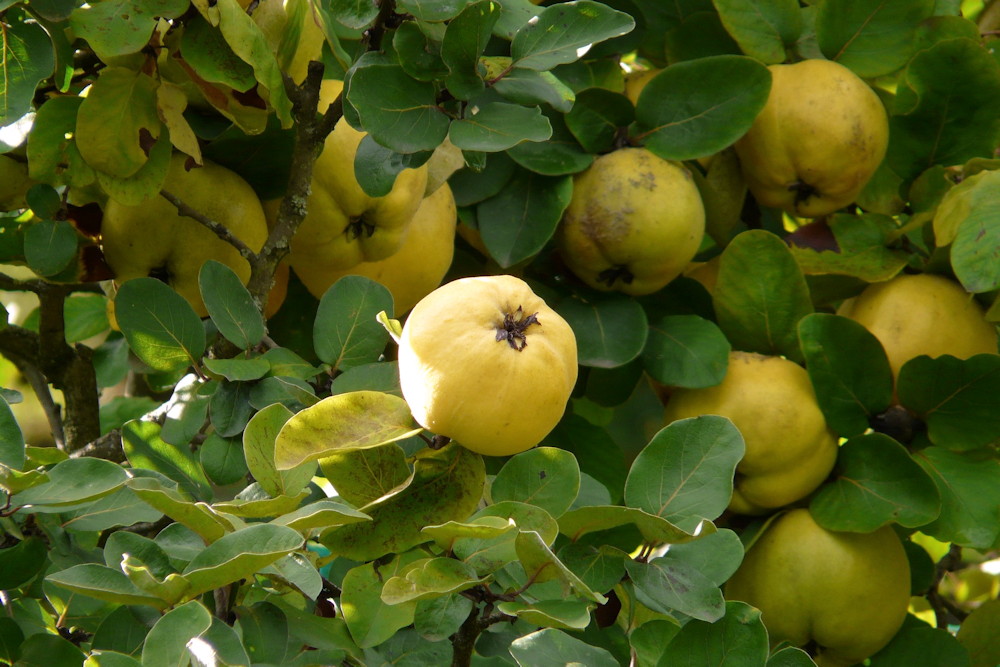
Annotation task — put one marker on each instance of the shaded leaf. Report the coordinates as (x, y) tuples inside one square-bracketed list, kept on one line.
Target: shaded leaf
[(610, 329), (238, 555), (554, 647), (159, 324), (346, 333), (686, 351), (230, 305), (563, 32), (969, 484), (543, 476)]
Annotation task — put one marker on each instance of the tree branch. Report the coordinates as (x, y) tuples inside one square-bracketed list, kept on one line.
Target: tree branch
[(217, 228), (463, 642), (946, 611)]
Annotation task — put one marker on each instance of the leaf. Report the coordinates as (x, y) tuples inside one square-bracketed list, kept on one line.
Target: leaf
[(145, 183), (398, 111), (103, 583), (528, 87), (762, 28), (554, 647), (121, 508), (447, 485), (563, 614), (947, 108), (239, 370), (923, 645), (258, 449), (199, 518), (86, 315), (739, 638), (206, 51), (876, 483), (600, 568), (45, 650), (438, 619), (497, 126), (159, 324), (699, 107), (955, 397), (429, 578), (685, 473), (654, 529), (464, 40), (968, 212), (597, 117), (493, 546), (166, 644), (761, 295), (610, 329), (265, 631), (356, 420), (49, 246), (543, 476), (52, 157), (362, 476), (28, 46), (73, 481), (376, 167), (116, 28), (670, 584), (346, 332), (296, 571), (978, 633), (117, 118), (222, 460), (11, 638), (239, 555), (969, 484), (21, 562), (560, 155), (563, 33), (848, 369), (872, 40), (230, 305), (433, 10), (11, 438), (541, 565), (250, 505), (320, 514), (861, 250), (516, 223), (145, 449), (370, 620), (686, 351)]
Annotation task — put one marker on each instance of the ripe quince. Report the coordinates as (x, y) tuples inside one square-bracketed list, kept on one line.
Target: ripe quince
[(847, 592), (633, 223), (153, 239), (920, 314), (486, 362), (344, 226), (416, 268), (819, 138), (789, 448)]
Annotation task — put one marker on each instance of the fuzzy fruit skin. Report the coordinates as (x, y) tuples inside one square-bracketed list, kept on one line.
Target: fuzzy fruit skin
[(848, 592), (326, 236), (634, 215), (153, 239), (789, 448), (822, 126), (419, 266), (461, 382), (920, 314)]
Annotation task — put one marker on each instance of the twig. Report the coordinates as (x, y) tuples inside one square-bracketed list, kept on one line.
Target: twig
[(107, 447), (218, 228), (464, 641), (53, 413), (942, 606)]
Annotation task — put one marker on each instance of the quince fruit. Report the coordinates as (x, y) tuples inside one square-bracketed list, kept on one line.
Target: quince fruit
[(819, 138), (920, 314), (344, 226), (486, 362), (153, 239), (847, 592), (633, 223), (789, 448), (416, 268), (294, 31)]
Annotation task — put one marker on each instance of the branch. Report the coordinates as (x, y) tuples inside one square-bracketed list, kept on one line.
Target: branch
[(943, 607), (464, 641), (107, 447), (217, 228)]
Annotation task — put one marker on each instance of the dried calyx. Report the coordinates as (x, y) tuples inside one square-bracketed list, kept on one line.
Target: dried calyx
[(513, 328), (358, 227)]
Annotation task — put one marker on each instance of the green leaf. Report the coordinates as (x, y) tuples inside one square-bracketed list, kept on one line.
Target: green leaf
[(197, 517), (429, 578), (554, 647), (969, 484), (969, 213), (947, 108), (73, 481), (543, 476), (49, 246), (11, 439), (876, 482), (490, 553), (699, 107), (252, 503), (685, 473), (230, 408), (86, 315), (11, 637), (398, 111), (528, 87), (978, 633), (258, 450), (121, 508), (860, 249), (464, 41), (222, 460), (166, 644), (116, 28), (497, 126), (141, 549), (914, 645), (563, 32), (955, 397), (610, 329), (597, 118), (370, 620), (21, 562), (208, 54), (27, 45), (438, 619), (320, 514), (44, 201), (52, 158), (265, 632), (239, 555), (362, 476), (346, 332), (432, 10), (357, 420), (224, 643), (418, 54), (541, 565), (848, 369), (379, 376), (230, 305), (558, 156), (103, 583), (654, 529), (447, 485), (44, 650), (762, 28), (144, 448), (738, 638), (483, 528), (870, 39), (118, 121), (296, 571), (686, 351), (761, 295), (562, 614), (159, 324), (376, 167), (136, 189), (601, 568), (239, 369), (790, 657), (517, 222), (471, 187)]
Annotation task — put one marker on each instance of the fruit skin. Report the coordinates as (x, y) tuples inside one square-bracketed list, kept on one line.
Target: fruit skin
[(462, 382), (789, 448), (343, 225), (920, 314), (416, 268), (152, 239), (819, 138), (848, 592), (636, 80), (633, 224)]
